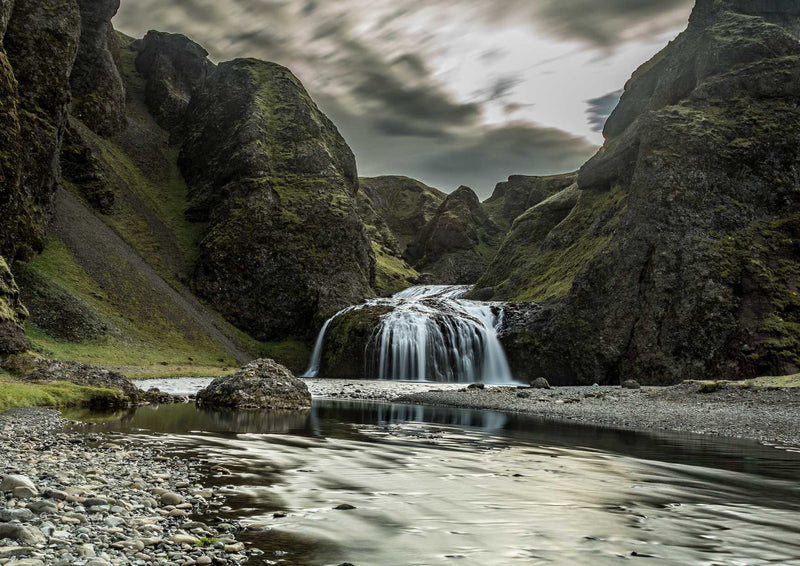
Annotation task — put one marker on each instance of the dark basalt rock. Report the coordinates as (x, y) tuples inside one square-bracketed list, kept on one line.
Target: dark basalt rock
[(456, 246), (286, 248), (261, 384), (33, 104), (346, 342), (682, 249), (41, 42), (521, 192), (80, 166), (12, 314), (97, 88), (176, 69)]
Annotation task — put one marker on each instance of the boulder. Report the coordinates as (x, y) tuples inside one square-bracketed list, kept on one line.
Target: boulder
[(631, 384), (12, 314), (12, 481), (261, 384), (21, 533), (540, 383)]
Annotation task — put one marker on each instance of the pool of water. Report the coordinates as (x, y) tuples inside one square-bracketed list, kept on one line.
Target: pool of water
[(446, 486)]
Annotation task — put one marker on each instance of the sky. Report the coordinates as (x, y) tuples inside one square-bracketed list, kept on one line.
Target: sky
[(450, 92)]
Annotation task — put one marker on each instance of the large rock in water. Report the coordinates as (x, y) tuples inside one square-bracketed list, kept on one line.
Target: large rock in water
[(261, 384), (286, 248), (458, 243), (681, 256)]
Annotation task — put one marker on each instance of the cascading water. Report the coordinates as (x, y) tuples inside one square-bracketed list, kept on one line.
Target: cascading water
[(431, 334)]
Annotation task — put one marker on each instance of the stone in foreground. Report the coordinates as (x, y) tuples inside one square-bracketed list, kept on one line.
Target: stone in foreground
[(261, 384)]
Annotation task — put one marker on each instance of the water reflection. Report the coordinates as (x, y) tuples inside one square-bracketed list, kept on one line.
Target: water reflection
[(435, 485)]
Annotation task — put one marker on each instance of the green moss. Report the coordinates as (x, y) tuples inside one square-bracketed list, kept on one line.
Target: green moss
[(392, 273), (57, 394), (142, 337), (538, 270)]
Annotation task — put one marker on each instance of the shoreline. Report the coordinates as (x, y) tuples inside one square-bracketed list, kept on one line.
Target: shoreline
[(766, 415), (73, 496)]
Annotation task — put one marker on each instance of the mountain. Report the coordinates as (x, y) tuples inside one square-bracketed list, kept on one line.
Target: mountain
[(159, 210), (676, 254)]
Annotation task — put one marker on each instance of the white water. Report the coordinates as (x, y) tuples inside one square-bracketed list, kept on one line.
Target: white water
[(430, 335)]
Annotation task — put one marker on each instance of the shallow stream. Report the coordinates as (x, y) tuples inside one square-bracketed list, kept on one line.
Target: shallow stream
[(447, 486)]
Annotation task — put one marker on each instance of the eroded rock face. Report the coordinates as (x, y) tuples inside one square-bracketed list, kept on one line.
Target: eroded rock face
[(12, 314), (176, 69), (512, 198), (261, 384), (683, 241), (286, 248), (457, 244), (97, 88), (41, 42)]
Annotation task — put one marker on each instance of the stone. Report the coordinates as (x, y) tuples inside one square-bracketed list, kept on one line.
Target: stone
[(41, 507), (631, 384), (7, 552), (19, 514), (260, 384), (11, 481), (24, 492), (540, 383), (169, 498), (344, 507), (27, 535), (27, 562), (184, 539)]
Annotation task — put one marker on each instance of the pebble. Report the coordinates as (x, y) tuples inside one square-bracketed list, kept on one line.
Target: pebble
[(77, 498)]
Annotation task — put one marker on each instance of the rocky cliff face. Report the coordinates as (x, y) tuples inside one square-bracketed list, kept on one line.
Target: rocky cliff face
[(682, 250), (512, 198), (40, 44), (286, 247), (96, 84), (176, 69), (12, 314), (457, 244)]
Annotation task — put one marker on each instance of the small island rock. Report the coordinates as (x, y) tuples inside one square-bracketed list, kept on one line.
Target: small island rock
[(261, 384)]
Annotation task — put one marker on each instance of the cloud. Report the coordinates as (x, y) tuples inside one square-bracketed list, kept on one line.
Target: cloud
[(431, 88), (601, 108)]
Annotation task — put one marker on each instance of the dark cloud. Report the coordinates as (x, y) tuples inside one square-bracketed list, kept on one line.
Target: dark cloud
[(601, 108)]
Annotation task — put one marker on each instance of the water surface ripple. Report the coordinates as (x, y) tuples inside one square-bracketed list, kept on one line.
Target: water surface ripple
[(445, 486)]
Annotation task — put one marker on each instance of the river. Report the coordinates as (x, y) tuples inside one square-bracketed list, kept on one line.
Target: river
[(447, 486)]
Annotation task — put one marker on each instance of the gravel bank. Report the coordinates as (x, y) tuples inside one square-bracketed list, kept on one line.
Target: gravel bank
[(69, 498), (766, 415)]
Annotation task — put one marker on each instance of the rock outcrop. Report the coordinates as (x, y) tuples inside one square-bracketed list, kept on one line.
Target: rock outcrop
[(175, 68), (35, 98), (261, 384), (12, 314), (394, 211), (457, 244), (286, 248), (682, 248), (97, 89), (512, 198)]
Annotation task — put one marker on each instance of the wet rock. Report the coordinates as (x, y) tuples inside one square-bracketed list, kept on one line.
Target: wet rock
[(344, 507), (476, 386), (262, 383)]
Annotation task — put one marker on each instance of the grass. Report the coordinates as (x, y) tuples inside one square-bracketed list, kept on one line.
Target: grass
[(764, 382), (392, 273), (56, 394)]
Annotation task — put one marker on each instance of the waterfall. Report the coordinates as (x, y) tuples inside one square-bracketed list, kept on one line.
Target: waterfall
[(431, 334)]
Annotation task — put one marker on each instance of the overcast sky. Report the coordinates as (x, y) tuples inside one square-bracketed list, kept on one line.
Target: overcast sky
[(450, 92)]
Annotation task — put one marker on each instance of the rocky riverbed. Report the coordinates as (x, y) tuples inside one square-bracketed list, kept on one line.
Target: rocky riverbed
[(83, 499), (765, 414)]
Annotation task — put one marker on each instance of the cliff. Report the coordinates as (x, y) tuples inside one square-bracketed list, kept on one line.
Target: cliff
[(676, 254)]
